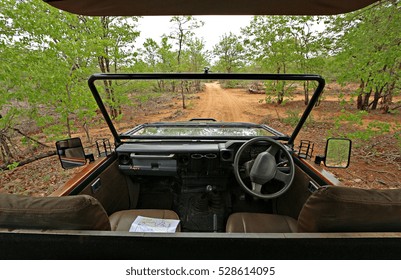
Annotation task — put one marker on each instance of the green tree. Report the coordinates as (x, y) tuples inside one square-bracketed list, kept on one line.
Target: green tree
[(198, 59), (53, 53), (114, 37), (369, 52), (159, 58), (182, 33), (272, 47), (283, 44), (47, 62), (167, 56), (310, 47), (151, 54), (230, 53)]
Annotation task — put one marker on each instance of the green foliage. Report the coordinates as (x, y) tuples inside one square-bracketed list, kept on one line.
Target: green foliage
[(293, 117), (366, 134), (354, 119), (346, 125), (230, 53), (284, 44), (373, 129), (367, 51), (28, 142), (12, 166), (49, 55), (196, 56), (181, 34), (278, 91), (270, 43)]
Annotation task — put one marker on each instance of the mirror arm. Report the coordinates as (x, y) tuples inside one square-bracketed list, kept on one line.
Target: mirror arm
[(90, 157), (319, 159)]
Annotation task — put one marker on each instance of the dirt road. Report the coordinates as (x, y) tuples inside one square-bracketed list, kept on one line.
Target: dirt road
[(226, 105)]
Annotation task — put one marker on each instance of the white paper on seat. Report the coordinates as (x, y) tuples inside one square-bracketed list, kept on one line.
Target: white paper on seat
[(146, 224)]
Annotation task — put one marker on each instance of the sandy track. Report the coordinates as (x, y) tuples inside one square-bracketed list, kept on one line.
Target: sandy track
[(225, 105)]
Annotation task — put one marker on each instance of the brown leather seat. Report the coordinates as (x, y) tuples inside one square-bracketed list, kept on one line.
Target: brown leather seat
[(331, 209), (78, 212), (122, 220)]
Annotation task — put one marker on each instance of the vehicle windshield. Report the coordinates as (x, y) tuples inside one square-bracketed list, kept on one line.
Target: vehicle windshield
[(200, 130)]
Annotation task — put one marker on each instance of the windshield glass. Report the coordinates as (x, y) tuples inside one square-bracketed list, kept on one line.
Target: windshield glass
[(203, 131)]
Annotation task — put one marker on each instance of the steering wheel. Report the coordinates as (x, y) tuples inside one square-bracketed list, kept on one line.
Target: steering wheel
[(274, 163)]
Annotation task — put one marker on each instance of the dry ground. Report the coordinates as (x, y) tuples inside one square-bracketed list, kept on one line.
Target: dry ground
[(375, 163)]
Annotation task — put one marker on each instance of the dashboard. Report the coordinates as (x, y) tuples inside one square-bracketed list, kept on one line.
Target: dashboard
[(175, 159), (199, 163)]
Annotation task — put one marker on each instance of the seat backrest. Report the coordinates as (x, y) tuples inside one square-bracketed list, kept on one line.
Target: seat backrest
[(343, 209), (80, 212)]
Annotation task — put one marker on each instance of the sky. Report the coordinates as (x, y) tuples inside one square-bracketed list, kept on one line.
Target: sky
[(215, 27)]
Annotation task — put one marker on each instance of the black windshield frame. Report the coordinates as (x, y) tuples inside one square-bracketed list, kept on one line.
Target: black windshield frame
[(207, 76)]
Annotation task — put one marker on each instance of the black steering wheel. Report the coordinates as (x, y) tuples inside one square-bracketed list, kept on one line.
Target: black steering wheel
[(275, 163)]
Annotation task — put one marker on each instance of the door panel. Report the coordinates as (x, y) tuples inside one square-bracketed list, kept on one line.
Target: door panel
[(110, 188)]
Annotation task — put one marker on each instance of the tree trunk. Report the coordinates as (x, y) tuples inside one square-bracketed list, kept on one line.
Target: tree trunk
[(388, 97), (86, 129), (359, 103), (376, 98), (306, 92), (281, 92), (183, 95), (366, 97), (68, 127), (104, 65), (5, 151), (197, 86), (173, 86)]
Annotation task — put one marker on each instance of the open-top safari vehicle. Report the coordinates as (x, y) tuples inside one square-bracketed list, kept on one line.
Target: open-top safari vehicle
[(237, 190)]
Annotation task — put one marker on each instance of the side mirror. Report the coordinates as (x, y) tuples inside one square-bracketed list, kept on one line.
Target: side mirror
[(71, 153), (337, 154)]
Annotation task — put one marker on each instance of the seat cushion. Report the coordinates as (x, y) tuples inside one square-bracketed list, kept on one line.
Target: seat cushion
[(260, 222), (122, 220), (79, 212), (343, 209)]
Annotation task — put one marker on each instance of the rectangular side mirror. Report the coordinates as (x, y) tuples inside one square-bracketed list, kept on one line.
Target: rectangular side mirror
[(338, 152), (71, 153)]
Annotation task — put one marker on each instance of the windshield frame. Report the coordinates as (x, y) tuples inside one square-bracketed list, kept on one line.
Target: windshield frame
[(206, 76)]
